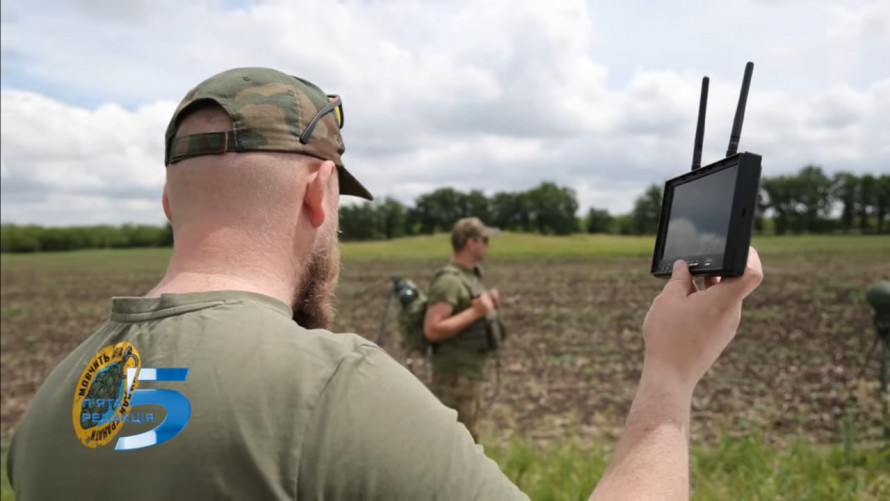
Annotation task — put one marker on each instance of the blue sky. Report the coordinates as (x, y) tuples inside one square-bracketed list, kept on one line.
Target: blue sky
[(498, 95)]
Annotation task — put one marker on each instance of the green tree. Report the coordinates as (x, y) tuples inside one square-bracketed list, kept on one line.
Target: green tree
[(478, 205), (866, 202), (108, 237), (439, 210), (814, 195), (167, 240), (761, 205), (780, 200), (882, 203), (14, 238), (647, 210), (143, 235), (392, 218), (624, 224), (844, 190), (510, 211), (598, 221), (552, 209), (359, 222)]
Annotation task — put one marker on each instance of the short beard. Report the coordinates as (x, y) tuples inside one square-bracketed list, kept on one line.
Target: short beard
[(315, 302)]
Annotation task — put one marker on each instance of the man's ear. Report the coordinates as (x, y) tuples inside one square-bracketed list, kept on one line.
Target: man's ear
[(316, 191), (165, 201)]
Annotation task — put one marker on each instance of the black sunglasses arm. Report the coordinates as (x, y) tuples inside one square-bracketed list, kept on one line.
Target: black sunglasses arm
[(331, 106)]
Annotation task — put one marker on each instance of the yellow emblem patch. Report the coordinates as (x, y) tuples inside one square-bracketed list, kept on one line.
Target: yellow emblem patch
[(103, 393)]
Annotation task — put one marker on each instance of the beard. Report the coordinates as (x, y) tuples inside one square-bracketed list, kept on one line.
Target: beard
[(315, 301)]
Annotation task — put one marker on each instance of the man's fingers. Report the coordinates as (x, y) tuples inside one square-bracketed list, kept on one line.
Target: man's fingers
[(711, 281), (681, 279), (737, 288)]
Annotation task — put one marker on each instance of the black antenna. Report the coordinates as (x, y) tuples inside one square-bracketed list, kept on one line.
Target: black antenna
[(740, 112), (700, 127)]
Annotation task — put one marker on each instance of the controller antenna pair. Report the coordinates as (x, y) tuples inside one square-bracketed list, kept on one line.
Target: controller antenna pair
[(736, 124)]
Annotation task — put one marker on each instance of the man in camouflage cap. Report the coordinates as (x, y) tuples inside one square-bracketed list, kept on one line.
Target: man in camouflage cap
[(462, 322), (268, 403), (269, 111), (255, 398)]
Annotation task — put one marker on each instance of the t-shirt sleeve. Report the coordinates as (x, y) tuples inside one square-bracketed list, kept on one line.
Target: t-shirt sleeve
[(378, 433), (447, 288)]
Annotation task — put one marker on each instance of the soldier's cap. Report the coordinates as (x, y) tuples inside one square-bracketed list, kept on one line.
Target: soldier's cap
[(470, 227), (270, 111)]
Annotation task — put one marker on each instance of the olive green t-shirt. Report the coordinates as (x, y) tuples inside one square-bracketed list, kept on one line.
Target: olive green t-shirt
[(451, 357), (251, 406)]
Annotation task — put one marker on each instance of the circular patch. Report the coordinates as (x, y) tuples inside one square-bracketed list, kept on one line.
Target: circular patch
[(103, 392)]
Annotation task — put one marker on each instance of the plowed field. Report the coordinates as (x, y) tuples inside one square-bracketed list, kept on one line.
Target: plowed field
[(798, 366)]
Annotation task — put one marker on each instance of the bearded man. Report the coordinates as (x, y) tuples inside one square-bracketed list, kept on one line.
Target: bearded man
[(223, 382)]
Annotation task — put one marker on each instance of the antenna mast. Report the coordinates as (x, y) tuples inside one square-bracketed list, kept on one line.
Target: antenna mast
[(700, 127), (740, 112)]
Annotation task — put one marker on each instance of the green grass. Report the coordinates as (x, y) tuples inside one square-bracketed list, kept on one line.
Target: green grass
[(131, 260), (734, 468), (525, 245), (5, 491), (506, 245), (559, 471), (746, 468)]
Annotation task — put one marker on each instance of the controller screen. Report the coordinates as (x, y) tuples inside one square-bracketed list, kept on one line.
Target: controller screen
[(700, 211)]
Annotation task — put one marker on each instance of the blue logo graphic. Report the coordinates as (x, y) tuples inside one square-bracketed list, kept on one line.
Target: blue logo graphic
[(178, 407)]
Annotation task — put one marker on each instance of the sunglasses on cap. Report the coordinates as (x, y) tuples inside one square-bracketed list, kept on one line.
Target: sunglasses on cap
[(335, 105)]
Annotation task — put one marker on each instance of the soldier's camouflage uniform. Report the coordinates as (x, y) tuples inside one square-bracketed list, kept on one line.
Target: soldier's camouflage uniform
[(459, 362)]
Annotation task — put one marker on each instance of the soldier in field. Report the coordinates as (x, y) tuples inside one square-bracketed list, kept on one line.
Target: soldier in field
[(462, 322)]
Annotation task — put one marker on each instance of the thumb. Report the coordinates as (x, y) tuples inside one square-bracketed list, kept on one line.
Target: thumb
[(681, 280), (737, 288)]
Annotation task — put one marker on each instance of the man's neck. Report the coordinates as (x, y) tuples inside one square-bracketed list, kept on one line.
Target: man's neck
[(464, 260), (184, 282), (206, 267)]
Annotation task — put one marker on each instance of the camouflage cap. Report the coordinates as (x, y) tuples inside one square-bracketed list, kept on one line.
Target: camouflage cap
[(470, 227), (270, 111)]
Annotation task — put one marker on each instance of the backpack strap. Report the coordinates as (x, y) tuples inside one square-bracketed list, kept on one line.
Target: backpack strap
[(481, 338), (453, 270)]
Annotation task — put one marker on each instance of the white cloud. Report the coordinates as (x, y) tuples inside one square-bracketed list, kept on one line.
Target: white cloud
[(498, 95), (861, 19), (99, 164)]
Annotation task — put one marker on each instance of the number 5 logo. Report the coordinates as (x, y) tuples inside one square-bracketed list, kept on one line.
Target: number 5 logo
[(177, 406)]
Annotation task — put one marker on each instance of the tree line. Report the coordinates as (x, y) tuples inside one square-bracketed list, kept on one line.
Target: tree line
[(807, 202), (547, 209), (33, 238)]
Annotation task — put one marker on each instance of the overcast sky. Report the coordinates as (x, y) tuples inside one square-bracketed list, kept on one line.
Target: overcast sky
[(500, 95)]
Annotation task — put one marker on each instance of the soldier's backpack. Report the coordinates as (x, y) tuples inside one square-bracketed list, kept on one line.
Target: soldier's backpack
[(413, 303)]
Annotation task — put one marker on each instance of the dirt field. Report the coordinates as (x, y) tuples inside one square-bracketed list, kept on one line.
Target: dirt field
[(574, 353)]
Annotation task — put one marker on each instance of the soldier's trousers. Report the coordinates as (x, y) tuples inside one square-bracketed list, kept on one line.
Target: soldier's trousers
[(460, 393)]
